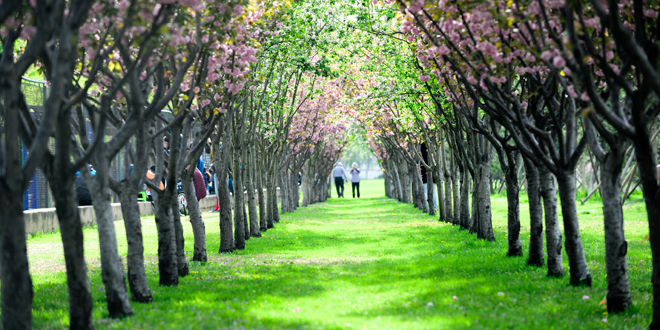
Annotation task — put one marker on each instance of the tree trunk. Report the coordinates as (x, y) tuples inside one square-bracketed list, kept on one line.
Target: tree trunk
[(417, 177), (167, 258), (66, 206), (398, 182), (260, 193), (270, 196), (552, 233), (441, 197), (276, 212), (485, 217), (17, 293), (448, 211), (455, 190), (196, 220), (239, 221), (465, 200), (513, 216), (576, 261), (252, 202), (535, 215), (137, 279), (406, 185), (429, 192), (616, 247), (181, 262), (222, 191), (474, 226), (112, 269)]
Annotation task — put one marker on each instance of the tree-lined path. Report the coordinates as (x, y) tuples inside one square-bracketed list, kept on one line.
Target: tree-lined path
[(369, 263)]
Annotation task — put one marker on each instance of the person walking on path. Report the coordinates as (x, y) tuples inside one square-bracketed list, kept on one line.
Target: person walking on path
[(355, 179), (340, 174)]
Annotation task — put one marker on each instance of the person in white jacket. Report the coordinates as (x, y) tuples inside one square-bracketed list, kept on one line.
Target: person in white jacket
[(340, 174)]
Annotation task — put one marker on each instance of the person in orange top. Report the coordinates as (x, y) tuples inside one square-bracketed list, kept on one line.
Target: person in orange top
[(151, 175)]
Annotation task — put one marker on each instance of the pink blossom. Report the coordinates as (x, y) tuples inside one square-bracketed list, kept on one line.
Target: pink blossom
[(189, 3), (424, 78), (546, 55), (238, 10), (28, 32), (558, 62), (571, 91)]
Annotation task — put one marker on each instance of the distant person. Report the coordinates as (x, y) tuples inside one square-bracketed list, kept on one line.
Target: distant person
[(340, 174), (355, 179)]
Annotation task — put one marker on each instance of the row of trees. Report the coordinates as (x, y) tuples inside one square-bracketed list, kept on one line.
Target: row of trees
[(226, 73), (539, 84)]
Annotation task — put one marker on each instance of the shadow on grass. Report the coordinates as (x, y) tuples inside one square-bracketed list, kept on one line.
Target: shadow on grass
[(368, 263)]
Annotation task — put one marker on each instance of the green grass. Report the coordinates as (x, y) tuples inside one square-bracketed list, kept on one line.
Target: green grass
[(370, 263)]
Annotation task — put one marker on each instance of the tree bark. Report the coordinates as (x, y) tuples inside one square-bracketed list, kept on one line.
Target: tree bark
[(535, 215), (448, 183), (137, 279), (513, 216), (167, 258), (80, 297), (263, 226), (577, 262), (406, 185), (456, 220), (181, 262), (616, 247), (552, 233), (112, 269), (239, 221), (252, 202), (429, 192), (17, 292), (196, 220), (222, 191), (485, 217), (465, 200)]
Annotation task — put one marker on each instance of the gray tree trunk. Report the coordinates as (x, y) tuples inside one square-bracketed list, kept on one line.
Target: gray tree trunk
[(616, 247), (485, 225), (112, 269), (576, 260), (196, 220), (239, 220), (465, 200), (270, 196), (17, 292), (419, 189), (252, 202), (167, 259), (137, 279), (455, 190), (260, 193), (181, 262), (429, 192), (535, 215), (439, 187), (66, 206), (552, 233), (513, 215), (448, 205), (406, 186), (222, 191)]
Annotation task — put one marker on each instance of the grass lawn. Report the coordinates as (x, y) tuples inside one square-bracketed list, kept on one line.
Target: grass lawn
[(368, 263)]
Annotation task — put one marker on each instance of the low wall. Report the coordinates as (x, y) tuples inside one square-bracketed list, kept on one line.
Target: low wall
[(45, 220)]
